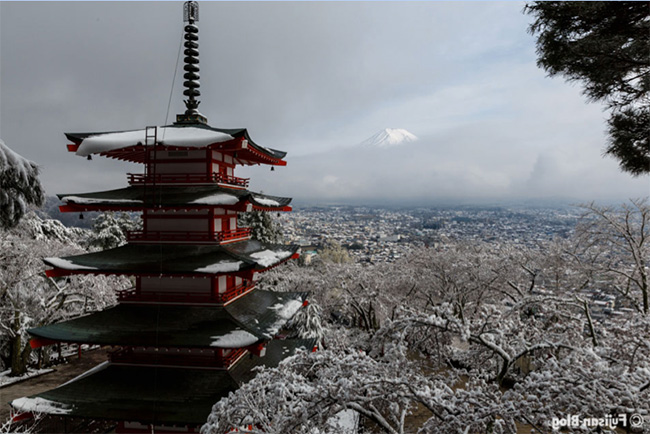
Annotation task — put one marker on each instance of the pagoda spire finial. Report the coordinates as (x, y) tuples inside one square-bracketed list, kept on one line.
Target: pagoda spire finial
[(191, 76)]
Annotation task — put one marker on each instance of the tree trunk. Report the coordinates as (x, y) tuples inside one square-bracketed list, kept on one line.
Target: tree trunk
[(19, 354), (18, 362)]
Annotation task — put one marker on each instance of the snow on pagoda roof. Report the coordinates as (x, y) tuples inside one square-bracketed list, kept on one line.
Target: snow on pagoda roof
[(244, 322), (150, 259), (154, 395), (177, 135), (171, 136), (174, 196)]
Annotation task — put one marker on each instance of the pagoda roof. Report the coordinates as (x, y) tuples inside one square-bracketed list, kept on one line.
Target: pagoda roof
[(249, 320), (152, 395), (133, 198), (130, 145), (176, 259)]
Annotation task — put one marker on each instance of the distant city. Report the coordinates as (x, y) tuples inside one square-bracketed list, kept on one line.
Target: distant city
[(385, 235)]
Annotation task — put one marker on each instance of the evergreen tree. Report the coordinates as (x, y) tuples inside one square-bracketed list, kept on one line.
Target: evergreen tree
[(109, 230), (19, 186), (334, 253), (262, 226), (604, 45)]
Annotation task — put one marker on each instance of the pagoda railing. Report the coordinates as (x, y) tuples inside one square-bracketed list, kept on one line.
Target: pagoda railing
[(233, 235), (236, 291), (187, 236), (186, 178), (132, 294)]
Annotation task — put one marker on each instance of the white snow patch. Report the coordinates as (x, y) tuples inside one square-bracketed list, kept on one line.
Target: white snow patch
[(217, 199), (267, 202), (6, 380), (91, 200), (345, 422), (284, 311), (170, 136), (390, 137), (234, 339), (288, 309), (67, 265), (40, 405), (266, 258), (220, 267)]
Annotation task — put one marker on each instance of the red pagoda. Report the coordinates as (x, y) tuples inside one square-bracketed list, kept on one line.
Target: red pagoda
[(194, 325)]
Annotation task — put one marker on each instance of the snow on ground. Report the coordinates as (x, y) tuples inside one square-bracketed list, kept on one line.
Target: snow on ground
[(170, 136), (40, 405), (6, 380), (234, 339), (266, 258), (66, 265), (220, 267), (217, 199)]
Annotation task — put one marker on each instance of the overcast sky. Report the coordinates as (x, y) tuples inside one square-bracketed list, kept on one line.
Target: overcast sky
[(313, 79)]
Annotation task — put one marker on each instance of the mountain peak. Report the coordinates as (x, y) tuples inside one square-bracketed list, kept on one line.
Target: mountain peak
[(389, 137)]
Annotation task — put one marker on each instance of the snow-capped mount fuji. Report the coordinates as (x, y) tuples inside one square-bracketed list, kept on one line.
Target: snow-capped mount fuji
[(389, 137)]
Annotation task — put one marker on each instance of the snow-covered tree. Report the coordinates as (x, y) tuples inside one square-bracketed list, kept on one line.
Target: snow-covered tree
[(495, 333), (307, 392), (29, 299), (307, 323), (109, 229), (263, 227), (335, 253), (616, 244), (19, 186)]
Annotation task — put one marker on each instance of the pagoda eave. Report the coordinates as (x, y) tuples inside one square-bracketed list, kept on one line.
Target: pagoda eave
[(270, 209), (62, 272), (134, 393), (132, 145), (234, 326), (173, 198)]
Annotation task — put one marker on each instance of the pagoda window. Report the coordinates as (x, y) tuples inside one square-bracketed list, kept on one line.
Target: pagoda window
[(160, 156), (174, 286), (222, 284), (178, 224), (165, 167), (222, 169)]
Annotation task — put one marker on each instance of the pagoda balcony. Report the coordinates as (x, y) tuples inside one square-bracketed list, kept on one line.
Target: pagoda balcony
[(132, 295), (223, 237), (187, 178)]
